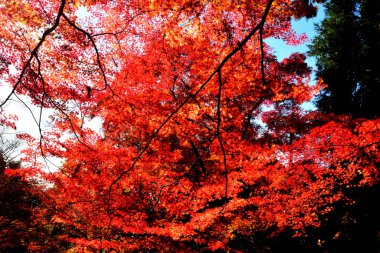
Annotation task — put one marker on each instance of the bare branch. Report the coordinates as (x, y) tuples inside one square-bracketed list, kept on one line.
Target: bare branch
[(262, 56), (219, 135), (35, 51), (217, 70), (99, 62)]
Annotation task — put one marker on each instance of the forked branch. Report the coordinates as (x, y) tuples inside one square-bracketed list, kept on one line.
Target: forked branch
[(35, 51), (240, 45)]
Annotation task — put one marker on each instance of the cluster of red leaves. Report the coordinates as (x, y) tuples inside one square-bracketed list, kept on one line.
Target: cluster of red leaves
[(187, 157)]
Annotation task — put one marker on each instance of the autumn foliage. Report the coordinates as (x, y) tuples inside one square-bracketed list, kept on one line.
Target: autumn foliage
[(203, 143)]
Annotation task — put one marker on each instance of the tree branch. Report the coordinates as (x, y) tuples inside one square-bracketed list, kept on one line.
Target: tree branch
[(99, 63), (218, 68), (35, 51)]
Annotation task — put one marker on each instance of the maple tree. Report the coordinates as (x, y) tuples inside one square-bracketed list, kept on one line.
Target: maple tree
[(182, 162)]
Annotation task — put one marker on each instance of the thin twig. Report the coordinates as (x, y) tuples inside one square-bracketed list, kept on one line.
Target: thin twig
[(35, 51), (262, 56), (218, 68), (219, 135), (99, 62)]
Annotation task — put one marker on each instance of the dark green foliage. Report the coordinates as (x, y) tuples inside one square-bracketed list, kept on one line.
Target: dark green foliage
[(347, 52), (22, 229), (16, 203)]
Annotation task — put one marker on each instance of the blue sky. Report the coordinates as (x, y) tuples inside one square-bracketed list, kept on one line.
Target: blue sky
[(282, 50)]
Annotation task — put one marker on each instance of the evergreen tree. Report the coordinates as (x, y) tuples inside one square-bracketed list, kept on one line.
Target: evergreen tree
[(369, 76), (20, 231), (347, 52)]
